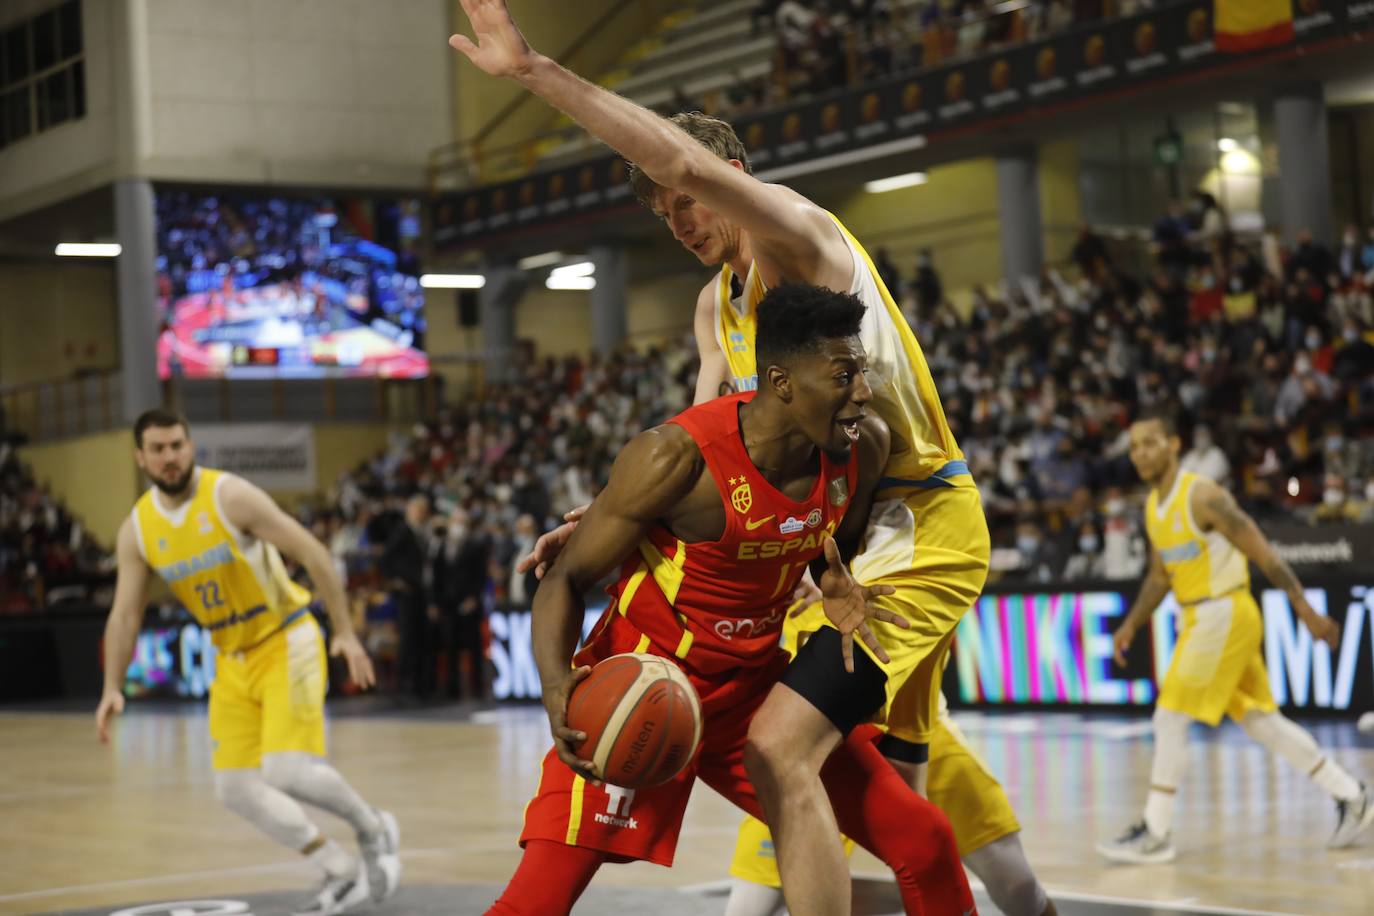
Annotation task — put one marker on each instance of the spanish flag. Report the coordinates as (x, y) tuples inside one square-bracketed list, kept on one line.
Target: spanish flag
[(1247, 25)]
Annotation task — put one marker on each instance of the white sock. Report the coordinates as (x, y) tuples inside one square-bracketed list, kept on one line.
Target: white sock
[(750, 899), (1292, 742), (314, 781), (1171, 745), (335, 863), (272, 811)]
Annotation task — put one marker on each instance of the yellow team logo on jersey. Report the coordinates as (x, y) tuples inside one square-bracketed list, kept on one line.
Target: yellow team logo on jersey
[(741, 497)]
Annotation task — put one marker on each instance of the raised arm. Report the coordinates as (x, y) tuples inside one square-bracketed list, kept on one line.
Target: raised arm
[(122, 626), (791, 235), (713, 378), (1215, 509), (1152, 592), (254, 512), (654, 472)]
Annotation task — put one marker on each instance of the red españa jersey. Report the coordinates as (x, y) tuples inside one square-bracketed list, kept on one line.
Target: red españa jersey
[(720, 604)]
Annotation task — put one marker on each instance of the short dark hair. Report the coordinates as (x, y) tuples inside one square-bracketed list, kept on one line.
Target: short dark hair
[(1164, 416), (795, 317), (712, 133), (159, 417)]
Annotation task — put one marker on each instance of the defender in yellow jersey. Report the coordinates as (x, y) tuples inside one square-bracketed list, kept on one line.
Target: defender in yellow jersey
[(214, 539), (1201, 546), (928, 537)]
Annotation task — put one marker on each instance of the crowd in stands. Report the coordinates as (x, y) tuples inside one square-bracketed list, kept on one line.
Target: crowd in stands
[(829, 44), (1265, 355), (47, 557)]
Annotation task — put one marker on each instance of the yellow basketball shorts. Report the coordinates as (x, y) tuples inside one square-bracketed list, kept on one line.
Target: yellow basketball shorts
[(958, 784), (932, 546), (1217, 669), (270, 698)]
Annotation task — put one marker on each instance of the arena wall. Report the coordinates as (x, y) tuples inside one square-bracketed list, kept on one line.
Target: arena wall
[(56, 320), (95, 476)]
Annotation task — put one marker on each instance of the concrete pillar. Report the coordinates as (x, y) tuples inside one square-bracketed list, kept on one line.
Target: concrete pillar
[(1304, 162), (609, 298), (137, 286), (1018, 211), (497, 302)]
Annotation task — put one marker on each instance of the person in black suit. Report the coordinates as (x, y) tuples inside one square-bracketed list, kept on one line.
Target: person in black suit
[(404, 565), (459, 560)]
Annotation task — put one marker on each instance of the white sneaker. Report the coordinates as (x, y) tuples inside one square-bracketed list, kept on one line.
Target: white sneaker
[(338, 895), (1353, 818), (381, 857), (1138, 846)]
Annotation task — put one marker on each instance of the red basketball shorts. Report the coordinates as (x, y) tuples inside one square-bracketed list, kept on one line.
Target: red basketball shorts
[(644, 823)]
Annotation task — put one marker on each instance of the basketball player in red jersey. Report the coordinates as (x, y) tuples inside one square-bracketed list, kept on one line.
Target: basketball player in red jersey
[(928, 536), (714, 517)]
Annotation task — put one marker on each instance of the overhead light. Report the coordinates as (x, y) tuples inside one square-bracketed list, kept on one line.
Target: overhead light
[(536, 261), (87, 250), (1226, 144), (909, 180), (576, 269), (453, 281), (562, 281)]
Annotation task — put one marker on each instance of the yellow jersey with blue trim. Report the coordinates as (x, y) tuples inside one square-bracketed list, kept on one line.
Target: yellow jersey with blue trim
[(235, 585), (1201, 564), (924, 451)]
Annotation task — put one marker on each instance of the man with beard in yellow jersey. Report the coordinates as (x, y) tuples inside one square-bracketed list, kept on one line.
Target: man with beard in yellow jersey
[(1200, 542), (927, 536), (214, 539)]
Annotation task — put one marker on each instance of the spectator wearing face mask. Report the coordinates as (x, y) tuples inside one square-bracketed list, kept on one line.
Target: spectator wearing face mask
[(1349, 254), (1123, 549), (1087, 561), (1206, 458), (460, 557), (1336, 506), (1041, 559)]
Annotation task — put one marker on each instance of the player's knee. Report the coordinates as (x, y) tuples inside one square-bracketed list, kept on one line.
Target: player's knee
[(283, 771), (234, 789)]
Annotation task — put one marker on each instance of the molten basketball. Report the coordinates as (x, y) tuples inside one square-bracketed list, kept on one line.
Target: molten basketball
[(642, 718)]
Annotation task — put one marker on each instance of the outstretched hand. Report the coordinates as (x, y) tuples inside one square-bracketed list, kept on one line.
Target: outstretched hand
[(350, 649), (500, 49), (550, 544), (849, 606)]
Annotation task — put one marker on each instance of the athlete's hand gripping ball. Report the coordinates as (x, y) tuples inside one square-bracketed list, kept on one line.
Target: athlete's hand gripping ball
[(849, 605), (567, 740)]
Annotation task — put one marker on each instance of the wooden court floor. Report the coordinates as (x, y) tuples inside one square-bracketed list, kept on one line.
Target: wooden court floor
[(87, 826)]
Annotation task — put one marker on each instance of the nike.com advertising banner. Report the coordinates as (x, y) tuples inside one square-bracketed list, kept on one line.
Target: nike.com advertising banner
[(1054, 648)]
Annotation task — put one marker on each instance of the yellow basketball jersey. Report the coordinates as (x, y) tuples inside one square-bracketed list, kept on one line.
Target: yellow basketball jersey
[(1201, 565), (904, 392), (235, 585)]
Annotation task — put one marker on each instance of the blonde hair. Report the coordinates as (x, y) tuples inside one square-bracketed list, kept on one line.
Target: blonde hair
[(713, 133)]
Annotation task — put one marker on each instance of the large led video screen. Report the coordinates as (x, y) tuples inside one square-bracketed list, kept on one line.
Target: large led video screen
[(261, 285)]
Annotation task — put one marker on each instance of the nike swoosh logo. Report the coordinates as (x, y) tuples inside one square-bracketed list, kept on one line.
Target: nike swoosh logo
[(751, 525)]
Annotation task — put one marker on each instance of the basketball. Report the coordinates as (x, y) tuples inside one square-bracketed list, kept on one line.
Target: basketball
[(642, 719)]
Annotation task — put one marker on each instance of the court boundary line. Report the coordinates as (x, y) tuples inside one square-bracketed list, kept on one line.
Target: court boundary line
[(266, 868), (1179, 905)]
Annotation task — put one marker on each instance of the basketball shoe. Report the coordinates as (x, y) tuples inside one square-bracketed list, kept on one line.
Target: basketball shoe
[(1353, 818), (381, 858), (1138, 846), (338, 895)]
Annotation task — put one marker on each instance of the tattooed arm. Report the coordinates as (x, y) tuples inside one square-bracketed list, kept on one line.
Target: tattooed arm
[(1214, 509), (1152, 591)]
